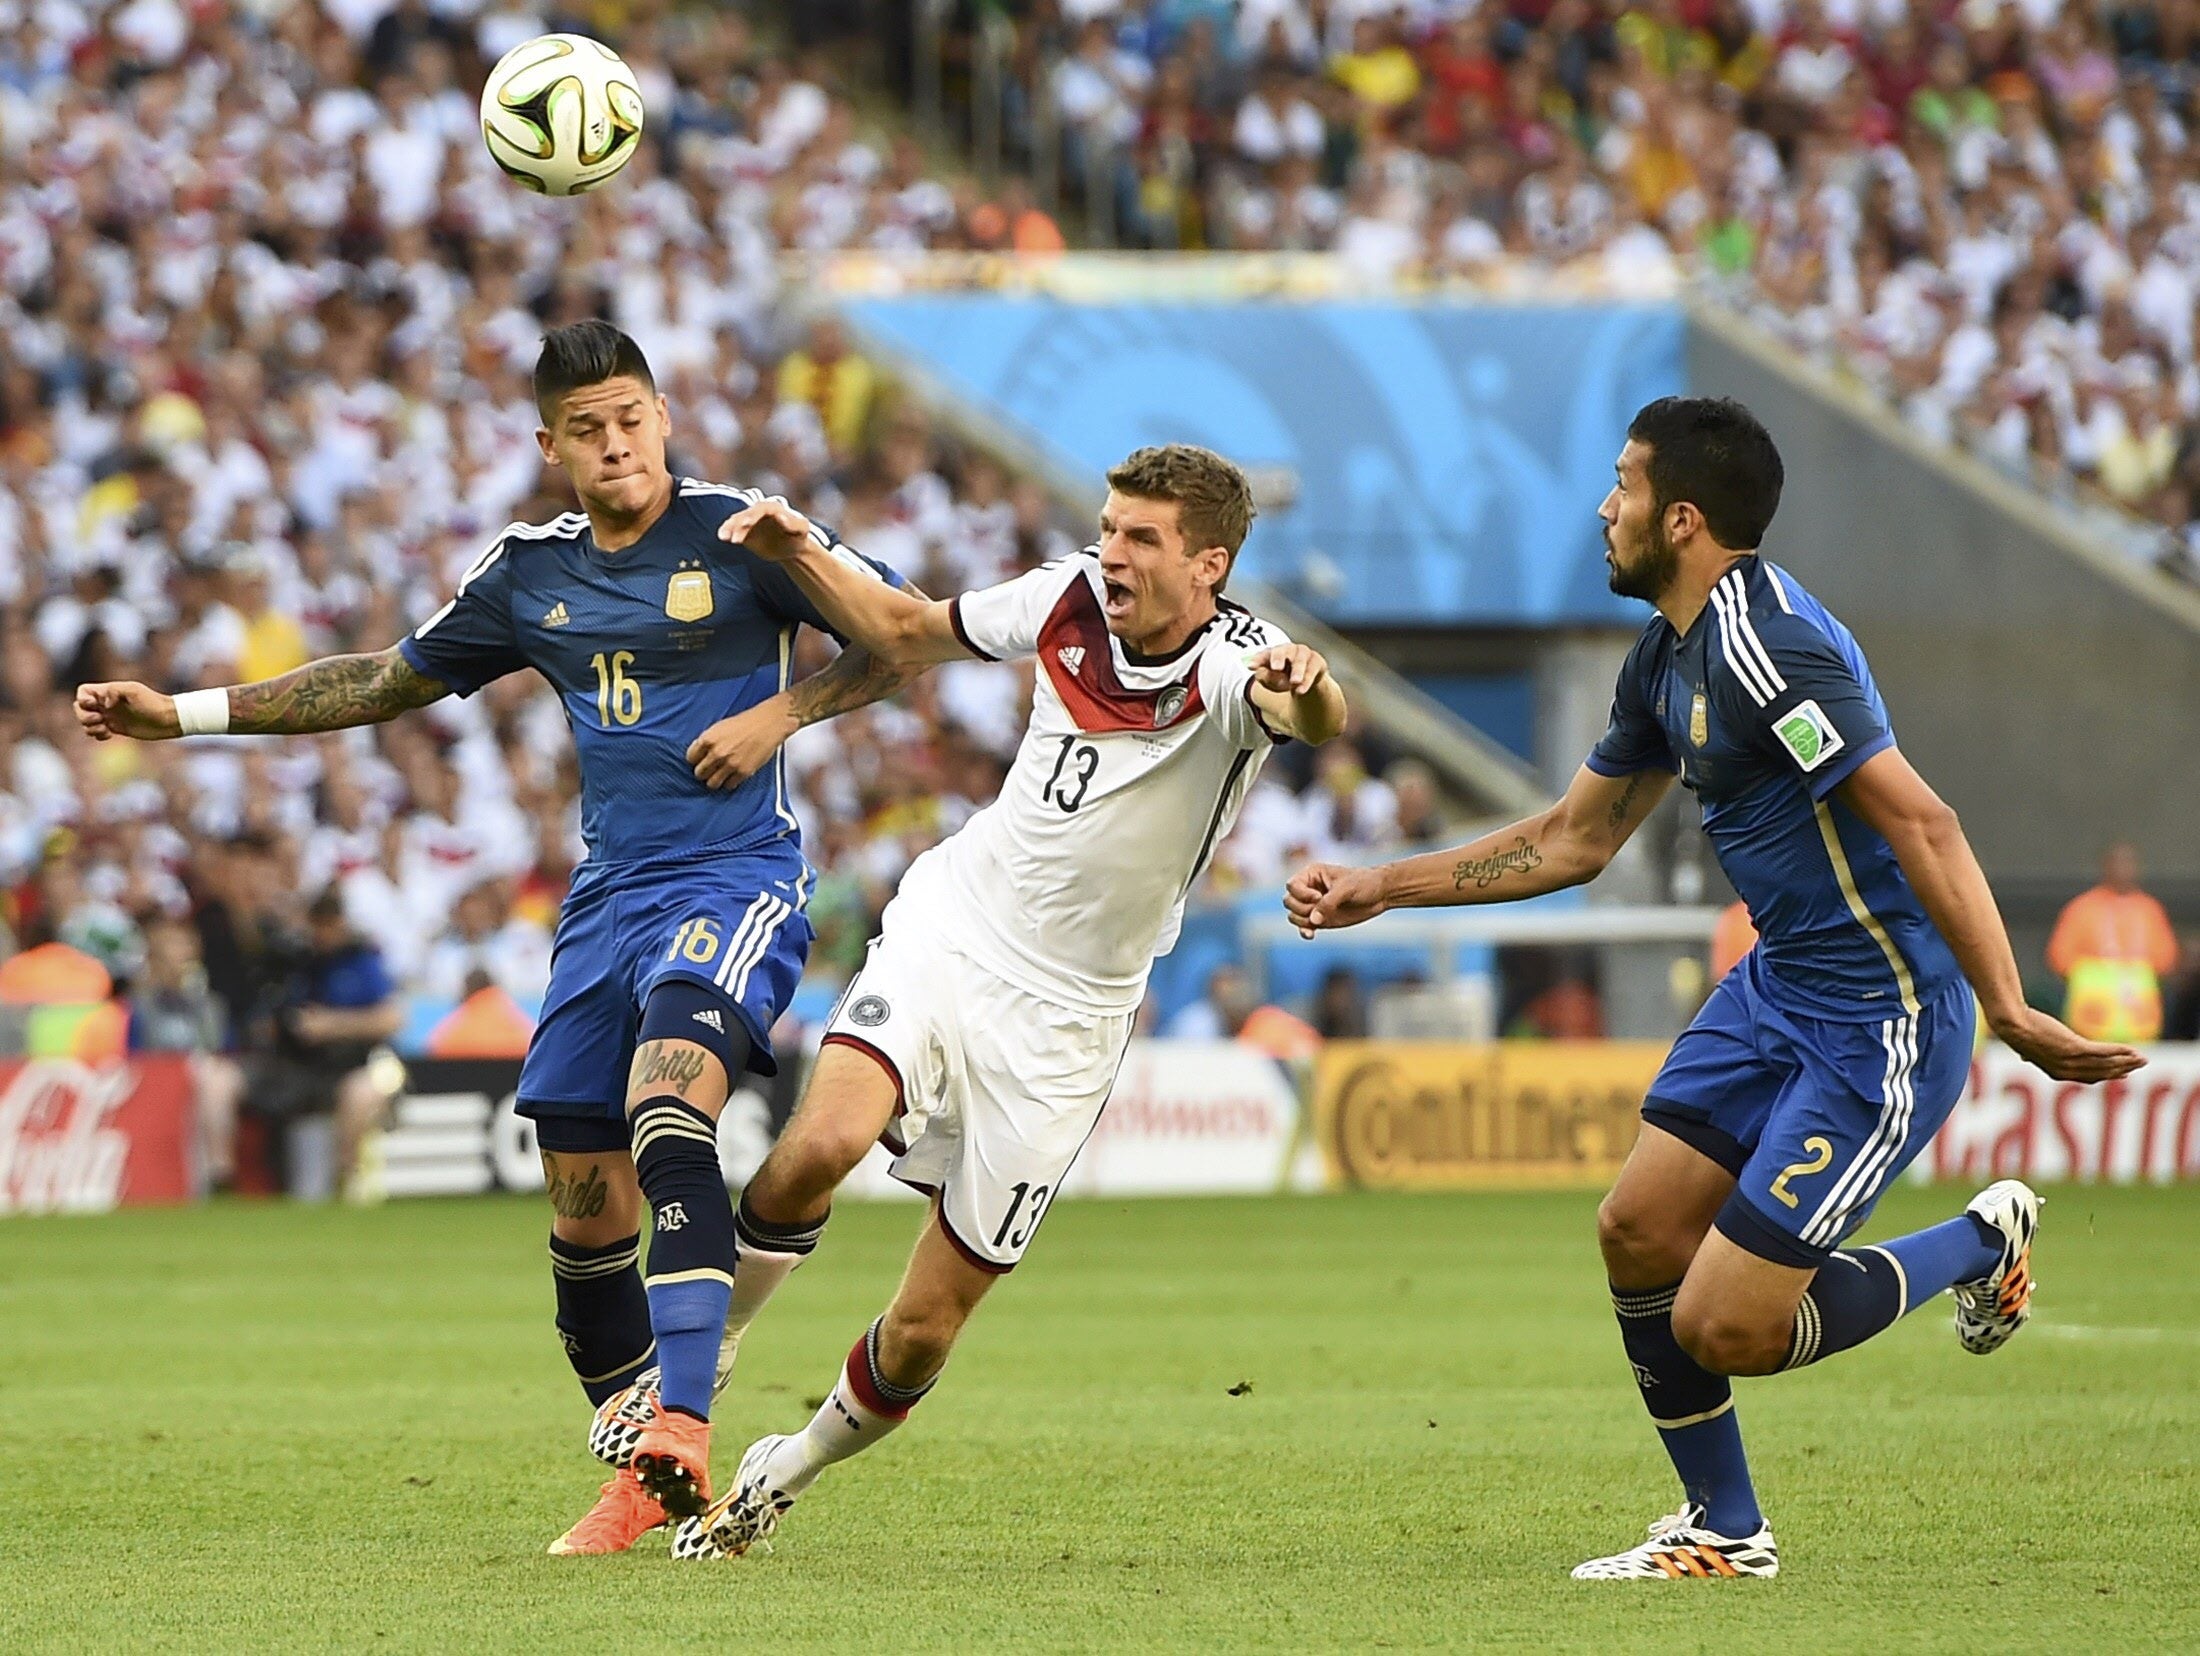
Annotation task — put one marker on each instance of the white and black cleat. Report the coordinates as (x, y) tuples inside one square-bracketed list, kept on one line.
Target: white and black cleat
[(620, 1419), (745, 1516), (1681, 1548), (1991, 1309)]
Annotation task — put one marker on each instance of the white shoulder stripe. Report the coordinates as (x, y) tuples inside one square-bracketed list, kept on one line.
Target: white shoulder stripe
[(1738, 663), (1748, 630), (1779, 587), (695, 486)]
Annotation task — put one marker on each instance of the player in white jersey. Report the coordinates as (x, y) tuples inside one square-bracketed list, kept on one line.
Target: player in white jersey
[(981, 1037)]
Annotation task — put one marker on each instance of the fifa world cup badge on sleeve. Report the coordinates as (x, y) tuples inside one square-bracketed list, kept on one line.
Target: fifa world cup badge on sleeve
[(1809, 735)]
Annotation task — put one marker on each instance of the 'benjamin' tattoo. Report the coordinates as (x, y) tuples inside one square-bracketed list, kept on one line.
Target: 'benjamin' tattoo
[(579, 1197), (1484, 872), (1616, 818)]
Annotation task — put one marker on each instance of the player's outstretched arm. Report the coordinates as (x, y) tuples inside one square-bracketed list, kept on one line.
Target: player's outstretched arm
[(895, 627), (333, 693), (736, 748), (1928, 842), (1296, 694), (1571, 842)]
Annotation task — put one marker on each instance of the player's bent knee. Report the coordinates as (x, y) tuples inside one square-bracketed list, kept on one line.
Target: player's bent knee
[(918, 1334), (1728, 1344), (1638, 1243)]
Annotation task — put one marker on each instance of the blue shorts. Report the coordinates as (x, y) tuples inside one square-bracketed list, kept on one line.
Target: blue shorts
[(733, 924), (1812, 1117)]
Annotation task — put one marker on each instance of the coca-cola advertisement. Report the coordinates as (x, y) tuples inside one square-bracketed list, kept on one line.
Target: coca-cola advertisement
[(82, 1138)]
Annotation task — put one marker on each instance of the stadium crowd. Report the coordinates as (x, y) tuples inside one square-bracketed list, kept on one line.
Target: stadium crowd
[(1988, 209), (268, 316)]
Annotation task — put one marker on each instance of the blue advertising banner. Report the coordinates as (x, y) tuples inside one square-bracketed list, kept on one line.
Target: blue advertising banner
[(1448, 457)]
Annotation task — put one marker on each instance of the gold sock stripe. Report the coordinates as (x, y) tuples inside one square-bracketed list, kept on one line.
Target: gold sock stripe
[(1810, 1328), (1691, 1420), (701, 1275), (648, 1352), (650, 1128), (599, 1268), (1901, 1280), (1655, 1304)]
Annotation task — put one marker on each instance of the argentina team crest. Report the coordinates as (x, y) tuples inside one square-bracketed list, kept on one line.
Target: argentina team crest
[(688, 597), (1169, 704), (1699, 720)]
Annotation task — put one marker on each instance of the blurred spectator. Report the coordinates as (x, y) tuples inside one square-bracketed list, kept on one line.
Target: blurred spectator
[(338, 1006), (173, 1010), (833, 379), (2112, 946), (1340, 1009), (1221, 1012), (487, 940)]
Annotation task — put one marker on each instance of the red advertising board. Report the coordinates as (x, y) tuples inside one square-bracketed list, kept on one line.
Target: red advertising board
[(2013, 1122), (82, 1138)]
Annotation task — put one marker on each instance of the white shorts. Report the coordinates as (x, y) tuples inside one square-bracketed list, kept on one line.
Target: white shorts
[(998, 1089)]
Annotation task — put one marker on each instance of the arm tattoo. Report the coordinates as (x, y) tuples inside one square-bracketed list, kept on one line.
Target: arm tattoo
[(1616, 819), (852, 679), (1485, 872), (333, 693)]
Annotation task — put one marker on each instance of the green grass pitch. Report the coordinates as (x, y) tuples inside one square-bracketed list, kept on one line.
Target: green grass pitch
[(261, 1426)]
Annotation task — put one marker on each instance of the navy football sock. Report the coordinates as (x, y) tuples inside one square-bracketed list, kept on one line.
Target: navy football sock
[(691, 1248), (1693, 1410), (1961, 1249), (603, 1314), (1865, 1292)]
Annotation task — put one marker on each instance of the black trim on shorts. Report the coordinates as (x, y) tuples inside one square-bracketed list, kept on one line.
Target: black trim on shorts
[(1698, 1134), (562, 1131), (991, 1267), (1741, 1224)]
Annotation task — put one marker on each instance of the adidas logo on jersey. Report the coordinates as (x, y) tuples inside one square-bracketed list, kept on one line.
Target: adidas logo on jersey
[(710, 1019), (557, 616), (1072, 656)]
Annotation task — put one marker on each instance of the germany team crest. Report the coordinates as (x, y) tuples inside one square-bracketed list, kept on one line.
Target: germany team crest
[(689, 598), (1170, 704)]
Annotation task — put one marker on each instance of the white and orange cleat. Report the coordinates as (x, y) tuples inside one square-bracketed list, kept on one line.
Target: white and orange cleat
[(1681, 1548), (672, 1459), (750, 1511), (1999, 1303), (624, 1512), (620, 1419)]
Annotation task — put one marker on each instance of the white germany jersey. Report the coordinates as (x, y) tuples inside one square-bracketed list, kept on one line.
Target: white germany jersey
[(1074, 879)]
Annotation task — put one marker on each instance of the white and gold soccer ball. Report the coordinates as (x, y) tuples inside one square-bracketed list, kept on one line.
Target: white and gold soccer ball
[(561, 113)]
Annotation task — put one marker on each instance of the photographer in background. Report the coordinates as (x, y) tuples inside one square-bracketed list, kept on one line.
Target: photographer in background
[(339, 1004)]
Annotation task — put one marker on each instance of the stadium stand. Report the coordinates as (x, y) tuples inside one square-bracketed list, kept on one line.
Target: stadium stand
[(1985, 209), (267, 319)]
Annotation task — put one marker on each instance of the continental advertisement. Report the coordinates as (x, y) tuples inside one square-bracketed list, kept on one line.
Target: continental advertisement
[(1392, 1115)]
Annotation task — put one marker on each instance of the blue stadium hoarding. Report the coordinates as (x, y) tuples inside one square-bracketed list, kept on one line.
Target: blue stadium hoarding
[(1448, 457)]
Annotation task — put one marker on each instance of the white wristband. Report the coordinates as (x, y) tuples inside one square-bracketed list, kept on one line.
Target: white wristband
[(203, 712)]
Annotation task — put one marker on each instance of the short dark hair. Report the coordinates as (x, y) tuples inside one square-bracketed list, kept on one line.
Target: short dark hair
[(1214, 502), (584, 353), (1715, 454)]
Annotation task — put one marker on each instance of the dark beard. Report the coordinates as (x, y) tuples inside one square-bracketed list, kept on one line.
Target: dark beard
[(1650, 575)]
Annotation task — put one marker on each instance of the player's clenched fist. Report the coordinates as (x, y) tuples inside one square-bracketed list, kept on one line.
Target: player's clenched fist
[(736, 748), (1323, 897), (135, 710), (1293, 669), (772, 529)]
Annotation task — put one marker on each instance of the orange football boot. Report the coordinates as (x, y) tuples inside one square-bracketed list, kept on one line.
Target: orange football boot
[(624, 1512), (672, 1458)]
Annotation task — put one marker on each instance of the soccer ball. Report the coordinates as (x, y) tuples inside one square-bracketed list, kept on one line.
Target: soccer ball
[(561, 113)]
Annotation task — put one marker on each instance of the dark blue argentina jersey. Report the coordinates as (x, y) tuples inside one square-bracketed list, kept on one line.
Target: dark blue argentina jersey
[(648, 647), (1765, 708)]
